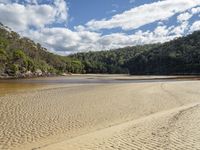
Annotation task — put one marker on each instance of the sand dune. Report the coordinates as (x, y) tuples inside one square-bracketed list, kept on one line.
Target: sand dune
[(103, 116)]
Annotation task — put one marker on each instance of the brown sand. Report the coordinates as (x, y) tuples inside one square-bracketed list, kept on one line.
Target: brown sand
[(160, 115)]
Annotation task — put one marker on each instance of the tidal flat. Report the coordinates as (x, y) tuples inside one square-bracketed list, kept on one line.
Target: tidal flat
[(100, 112)]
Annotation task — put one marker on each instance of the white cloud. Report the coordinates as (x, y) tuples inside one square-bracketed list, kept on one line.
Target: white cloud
[(161, 31), (195, 26), (184, 17), (61, 10), (142, 15), (195, 10), (22, 17), (65, 41), (118, 40), (33, 19), (181, 29)]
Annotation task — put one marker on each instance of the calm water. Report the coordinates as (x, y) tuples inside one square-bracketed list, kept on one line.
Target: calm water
[(10, 86)]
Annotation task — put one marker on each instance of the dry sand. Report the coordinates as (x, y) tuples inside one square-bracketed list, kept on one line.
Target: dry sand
[(157, 115)]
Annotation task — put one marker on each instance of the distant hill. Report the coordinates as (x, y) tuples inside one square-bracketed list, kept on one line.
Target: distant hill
[(111, 61), (21, 57), (179, 56)]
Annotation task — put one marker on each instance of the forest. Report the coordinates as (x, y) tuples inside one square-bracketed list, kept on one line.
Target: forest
[(176, 57), (21, 57)]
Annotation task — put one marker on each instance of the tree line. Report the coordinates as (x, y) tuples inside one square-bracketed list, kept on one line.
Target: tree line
[(179, 56), (20, 56)]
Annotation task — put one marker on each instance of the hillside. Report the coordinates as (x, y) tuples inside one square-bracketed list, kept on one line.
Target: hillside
[(21, 57), (179, 56), (112, 61)]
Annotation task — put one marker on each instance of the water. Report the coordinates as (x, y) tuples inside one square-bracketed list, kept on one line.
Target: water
[(16, 85), (12, 87)]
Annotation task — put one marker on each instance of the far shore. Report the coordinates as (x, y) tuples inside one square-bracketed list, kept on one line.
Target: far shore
[(111, 76)]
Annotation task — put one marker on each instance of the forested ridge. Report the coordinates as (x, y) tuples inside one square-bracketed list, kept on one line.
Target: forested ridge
[(179, 56), (21, 57), (111, 61)]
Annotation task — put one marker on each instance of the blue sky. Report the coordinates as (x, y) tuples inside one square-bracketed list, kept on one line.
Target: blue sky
[(83, 11), (70, 26)]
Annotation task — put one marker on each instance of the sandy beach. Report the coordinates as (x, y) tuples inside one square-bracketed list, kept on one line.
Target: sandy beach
[(149, 115)]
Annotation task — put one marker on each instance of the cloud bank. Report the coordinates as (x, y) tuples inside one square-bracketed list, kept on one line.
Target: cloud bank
[(38, 21), (142, 15)]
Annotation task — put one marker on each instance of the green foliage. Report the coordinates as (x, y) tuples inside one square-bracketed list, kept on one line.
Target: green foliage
[(12, 69), (180, 56), (20, 58), (19, 55), (76, 67), (30, 65), (109, 61), (3, 56)]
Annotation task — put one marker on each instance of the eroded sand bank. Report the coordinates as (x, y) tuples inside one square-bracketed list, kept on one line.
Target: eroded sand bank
[(162, 115)]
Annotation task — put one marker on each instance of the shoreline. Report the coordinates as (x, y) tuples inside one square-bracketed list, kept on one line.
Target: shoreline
[(146, 77)]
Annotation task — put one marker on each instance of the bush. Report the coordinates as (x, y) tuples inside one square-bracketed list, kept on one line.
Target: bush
[(12, 69), (3, 56), (19, 54)]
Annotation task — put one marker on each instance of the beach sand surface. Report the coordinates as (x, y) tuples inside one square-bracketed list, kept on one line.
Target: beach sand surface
[(153, 115)]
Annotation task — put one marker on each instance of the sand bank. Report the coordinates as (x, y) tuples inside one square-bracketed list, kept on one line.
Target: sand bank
[(101, 116)]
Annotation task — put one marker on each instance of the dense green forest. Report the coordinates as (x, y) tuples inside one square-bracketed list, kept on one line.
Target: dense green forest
[(112, 61), (180, 56), (21, 57)]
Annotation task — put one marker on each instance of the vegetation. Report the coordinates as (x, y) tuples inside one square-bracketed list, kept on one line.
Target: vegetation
[(180, 56), (112, 61), (21, 57)]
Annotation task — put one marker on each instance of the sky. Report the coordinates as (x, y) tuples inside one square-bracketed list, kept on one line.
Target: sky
[(70, 26)]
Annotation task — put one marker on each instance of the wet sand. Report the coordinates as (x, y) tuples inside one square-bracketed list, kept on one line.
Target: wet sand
[(149, 115)]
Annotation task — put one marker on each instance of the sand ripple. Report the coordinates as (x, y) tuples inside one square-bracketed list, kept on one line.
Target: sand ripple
[(171, 130), (37, 119)]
